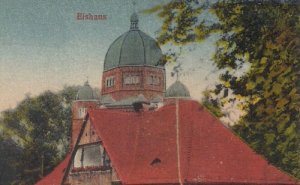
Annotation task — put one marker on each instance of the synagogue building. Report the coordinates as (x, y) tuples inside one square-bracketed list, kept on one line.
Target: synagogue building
[(139, 132)]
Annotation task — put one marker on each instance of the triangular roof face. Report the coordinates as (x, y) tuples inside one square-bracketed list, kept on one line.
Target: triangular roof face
[(179, 143), (56, 176)]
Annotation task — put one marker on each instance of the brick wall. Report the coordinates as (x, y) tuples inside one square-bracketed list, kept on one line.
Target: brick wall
[(120, 90), (77, 121), (90, 178)]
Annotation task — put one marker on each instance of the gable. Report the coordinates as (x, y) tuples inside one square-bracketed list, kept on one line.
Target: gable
[(89, 134), (89, 162)]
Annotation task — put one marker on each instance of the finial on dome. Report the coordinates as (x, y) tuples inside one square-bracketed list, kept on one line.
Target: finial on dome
[(134, 19), (86, 83), (176, 71)]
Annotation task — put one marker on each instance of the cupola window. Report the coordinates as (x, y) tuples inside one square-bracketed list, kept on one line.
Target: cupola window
[(131, 80), (110, 81), (82, 112), (153, 80)]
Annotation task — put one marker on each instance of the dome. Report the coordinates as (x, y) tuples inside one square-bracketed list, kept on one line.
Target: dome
[(85, 93), (133, 48), (177, 89)]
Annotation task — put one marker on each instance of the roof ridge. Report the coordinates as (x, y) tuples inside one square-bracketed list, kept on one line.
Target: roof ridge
[(178, 142)]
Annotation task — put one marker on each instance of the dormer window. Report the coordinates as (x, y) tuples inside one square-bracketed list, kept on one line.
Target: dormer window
[(91, 158), (153, 80), (131, 80), (110, 81)]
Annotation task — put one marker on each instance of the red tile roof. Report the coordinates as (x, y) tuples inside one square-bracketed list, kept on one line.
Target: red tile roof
[(56, 176), (179, 143)]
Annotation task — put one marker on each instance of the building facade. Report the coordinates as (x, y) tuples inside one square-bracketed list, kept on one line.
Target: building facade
[(138, 132)]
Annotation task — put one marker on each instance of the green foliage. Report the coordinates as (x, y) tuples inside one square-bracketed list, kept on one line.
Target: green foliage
[(269, 88), (9, 153), (265, 36), (212, 104), (39, 130)]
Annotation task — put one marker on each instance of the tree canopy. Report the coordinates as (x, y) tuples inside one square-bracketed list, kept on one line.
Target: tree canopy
[(263, 35), (35, 136)]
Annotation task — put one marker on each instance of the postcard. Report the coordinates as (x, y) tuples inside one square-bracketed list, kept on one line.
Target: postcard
[(143, 92)]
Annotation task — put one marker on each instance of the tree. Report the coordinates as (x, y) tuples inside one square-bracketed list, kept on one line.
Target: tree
[(265, 36), (8, 166), (39, 128)]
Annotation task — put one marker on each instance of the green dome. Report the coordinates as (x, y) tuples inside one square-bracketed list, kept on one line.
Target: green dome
[(133, 48), (86, 93), (177, 90)]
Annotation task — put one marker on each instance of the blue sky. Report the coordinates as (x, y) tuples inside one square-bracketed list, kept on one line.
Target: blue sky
[(43, 46)]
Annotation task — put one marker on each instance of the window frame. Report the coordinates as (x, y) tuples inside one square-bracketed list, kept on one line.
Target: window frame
[(82, 112), (104, 165), (110, 81), (153, 80), (132, 79)]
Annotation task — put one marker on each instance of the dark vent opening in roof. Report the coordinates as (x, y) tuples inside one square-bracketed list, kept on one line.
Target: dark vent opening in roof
[(156, 161)]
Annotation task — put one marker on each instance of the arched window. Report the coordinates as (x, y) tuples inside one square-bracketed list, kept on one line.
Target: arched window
[(110, 81), (81, 112), (153, 80), (131, 80)]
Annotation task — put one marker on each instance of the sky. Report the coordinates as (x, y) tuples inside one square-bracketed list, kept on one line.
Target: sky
[(43, 46)]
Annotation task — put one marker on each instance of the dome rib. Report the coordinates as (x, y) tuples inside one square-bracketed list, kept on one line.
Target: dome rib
[(152, 47), (106, 55), (127, 33), (143, 47)]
